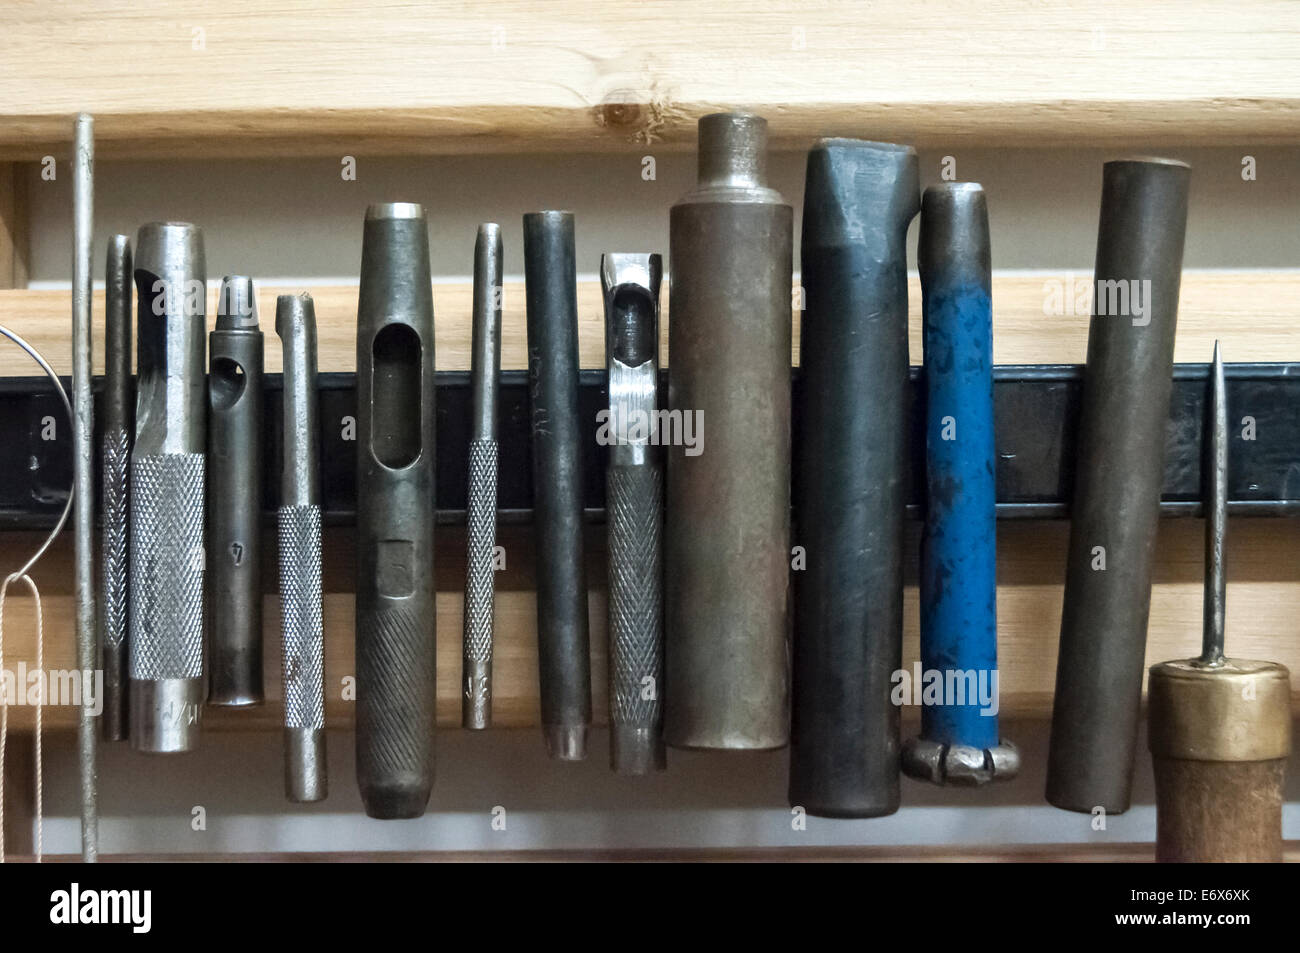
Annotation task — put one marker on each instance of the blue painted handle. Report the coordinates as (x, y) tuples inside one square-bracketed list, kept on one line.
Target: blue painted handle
[(959, 546)]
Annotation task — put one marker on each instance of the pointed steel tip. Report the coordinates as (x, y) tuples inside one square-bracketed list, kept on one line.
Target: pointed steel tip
[(1218, 357), (237, 304)]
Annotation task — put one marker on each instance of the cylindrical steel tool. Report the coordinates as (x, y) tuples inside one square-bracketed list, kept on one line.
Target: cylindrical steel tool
[(302, 625), (395, 611), (850, 479), (167, 489), (727, 529), (1219, 728), (959, 742), (83, 466), (115, 457), (634, 503), (1119, 470), (558, 436), (481, 517), (235, 498)]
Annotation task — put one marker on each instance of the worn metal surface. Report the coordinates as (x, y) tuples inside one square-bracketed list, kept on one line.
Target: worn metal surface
[(396, 688), (302, 623), (1119, 463), (117, 418), (83, 437), (959, 741), (634, 512), (167, 489), (481, 505), (851, 477), (234, 496), (727, 532), (559, 440)]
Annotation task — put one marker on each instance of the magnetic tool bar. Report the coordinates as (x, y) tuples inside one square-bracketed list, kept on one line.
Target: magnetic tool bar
[(1036, 410)]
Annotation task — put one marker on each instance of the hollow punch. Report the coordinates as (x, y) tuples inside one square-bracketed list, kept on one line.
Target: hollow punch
[(168, 480), (235, 498), (634, 506), (395, 609)]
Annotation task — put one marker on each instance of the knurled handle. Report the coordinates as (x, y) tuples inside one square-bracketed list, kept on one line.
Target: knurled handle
[(634, 500), (167, 565), (116, 451), (301, 617)]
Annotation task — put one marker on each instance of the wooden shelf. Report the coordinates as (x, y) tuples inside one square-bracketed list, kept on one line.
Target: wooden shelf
[(1255, 313), (1263, 603), (305, 77)]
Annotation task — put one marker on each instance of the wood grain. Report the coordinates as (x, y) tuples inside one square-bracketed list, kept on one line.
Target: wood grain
[(13, 227), (300, 77), (1263, 603), (1253, 313)]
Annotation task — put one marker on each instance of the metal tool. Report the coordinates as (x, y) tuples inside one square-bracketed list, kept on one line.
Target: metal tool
[(115, 457), (727, 532), (959, 742), (395, 621), (167, 489), (850, 477), (1118, 474), (558, 435), (302, 624), (83, 435), (235, 498), (481, 515), (634, 507), (1219, 728)]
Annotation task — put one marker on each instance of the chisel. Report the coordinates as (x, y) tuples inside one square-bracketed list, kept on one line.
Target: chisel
[(959, 742), (115, 457), (562, 629), (235, 498), (481, 514), (1219, 728), (727, 515), (634, 504), (167, 489), (1119, 470), (302, 625), (395, 610), (850, 477)]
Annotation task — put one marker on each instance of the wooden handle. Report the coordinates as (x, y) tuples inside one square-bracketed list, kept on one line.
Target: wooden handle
[(1219, 811)]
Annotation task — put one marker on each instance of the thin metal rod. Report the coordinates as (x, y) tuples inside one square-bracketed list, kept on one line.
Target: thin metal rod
[(1216, 516), (83, 430)]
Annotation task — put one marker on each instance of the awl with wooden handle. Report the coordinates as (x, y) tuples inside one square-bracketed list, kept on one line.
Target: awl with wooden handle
[(1219, 728)]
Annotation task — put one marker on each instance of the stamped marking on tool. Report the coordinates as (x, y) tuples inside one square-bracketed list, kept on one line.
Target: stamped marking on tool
[(395, 567)]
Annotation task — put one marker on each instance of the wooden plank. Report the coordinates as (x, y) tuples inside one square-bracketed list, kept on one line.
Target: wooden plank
[(1254, 313), (1263, 603), (198, 78), (13, 226)]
